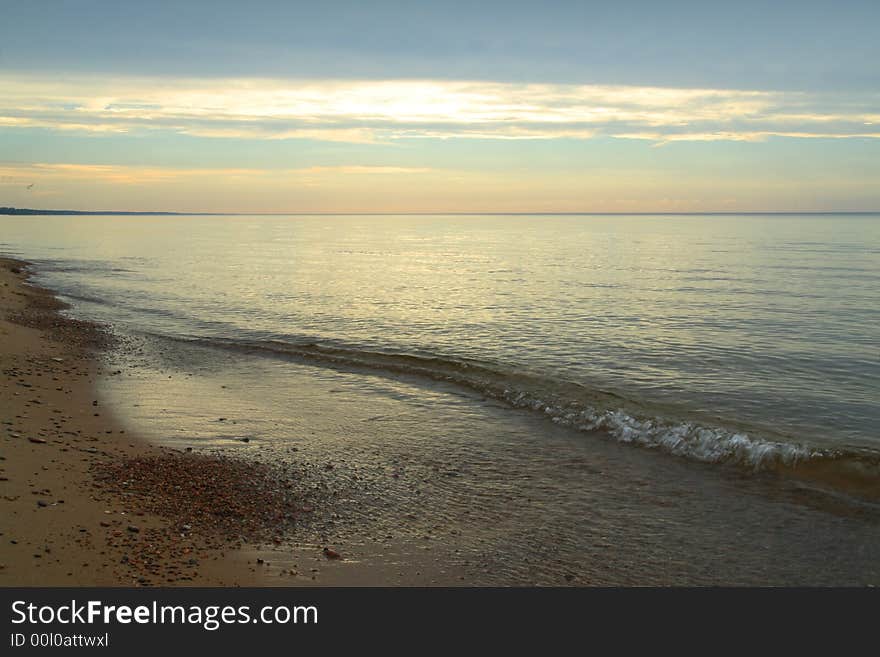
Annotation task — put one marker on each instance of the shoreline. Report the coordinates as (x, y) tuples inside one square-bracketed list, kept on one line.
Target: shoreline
[(60, 527), (87, 503)]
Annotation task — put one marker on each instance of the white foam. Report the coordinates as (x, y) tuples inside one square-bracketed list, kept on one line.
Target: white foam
[(685, 439)]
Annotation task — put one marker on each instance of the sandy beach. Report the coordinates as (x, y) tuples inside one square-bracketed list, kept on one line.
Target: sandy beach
[(65, 521), (86, 503)]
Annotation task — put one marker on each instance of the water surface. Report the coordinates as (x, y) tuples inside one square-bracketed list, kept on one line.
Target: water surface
[(596, 399)]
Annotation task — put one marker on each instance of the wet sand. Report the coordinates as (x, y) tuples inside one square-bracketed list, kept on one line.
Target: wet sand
[(60, 525), (85, 503)]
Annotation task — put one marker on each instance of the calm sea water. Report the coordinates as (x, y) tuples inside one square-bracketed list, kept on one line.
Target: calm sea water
[(620, 381), (719, 337)]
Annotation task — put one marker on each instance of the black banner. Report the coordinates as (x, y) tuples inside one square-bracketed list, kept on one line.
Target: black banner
[(126, 620)]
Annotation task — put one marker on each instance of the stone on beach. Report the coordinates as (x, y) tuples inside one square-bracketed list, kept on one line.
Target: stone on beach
[(331, 553), (219, 494)]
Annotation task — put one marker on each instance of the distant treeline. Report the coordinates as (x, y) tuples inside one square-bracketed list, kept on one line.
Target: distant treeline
[(30, 211)]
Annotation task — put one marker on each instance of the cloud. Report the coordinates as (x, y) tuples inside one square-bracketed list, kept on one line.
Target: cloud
[(386, 111), (18, 174)]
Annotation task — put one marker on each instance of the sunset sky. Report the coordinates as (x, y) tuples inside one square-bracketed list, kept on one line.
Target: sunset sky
[(446, 107)]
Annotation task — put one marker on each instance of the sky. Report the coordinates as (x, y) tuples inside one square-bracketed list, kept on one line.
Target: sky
[(338, 106)]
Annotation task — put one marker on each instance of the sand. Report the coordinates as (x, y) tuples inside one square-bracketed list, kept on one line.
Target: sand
[(59, 526), (83, 502)]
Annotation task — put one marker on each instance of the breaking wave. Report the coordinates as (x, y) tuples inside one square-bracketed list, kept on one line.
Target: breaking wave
[(582, 408)]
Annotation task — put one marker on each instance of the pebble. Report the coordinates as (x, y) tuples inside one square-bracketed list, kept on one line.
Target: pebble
[(331, 554)]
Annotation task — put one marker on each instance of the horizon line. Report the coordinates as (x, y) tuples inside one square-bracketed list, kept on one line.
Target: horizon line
[(13, 211)]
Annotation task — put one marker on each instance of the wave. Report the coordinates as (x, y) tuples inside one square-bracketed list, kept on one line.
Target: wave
[(80, 296), (595, 410)]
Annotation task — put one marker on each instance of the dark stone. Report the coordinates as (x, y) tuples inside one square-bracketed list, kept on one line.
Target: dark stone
[(331, 554)]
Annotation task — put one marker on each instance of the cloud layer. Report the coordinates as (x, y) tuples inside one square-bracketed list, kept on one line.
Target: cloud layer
[(385, 111)]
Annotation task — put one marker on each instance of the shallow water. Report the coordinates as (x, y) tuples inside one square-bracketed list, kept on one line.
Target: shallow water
[(762, 326), (481, 386), (493, 495)]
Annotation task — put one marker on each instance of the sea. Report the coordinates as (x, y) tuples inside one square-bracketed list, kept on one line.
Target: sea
[(550, 399)]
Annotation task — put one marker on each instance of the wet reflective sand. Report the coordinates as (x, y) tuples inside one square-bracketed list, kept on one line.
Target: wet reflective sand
[(433, 484)]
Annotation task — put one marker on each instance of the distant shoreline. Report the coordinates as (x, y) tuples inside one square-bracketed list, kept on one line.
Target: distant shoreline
[(134, 213), (31, 212)]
